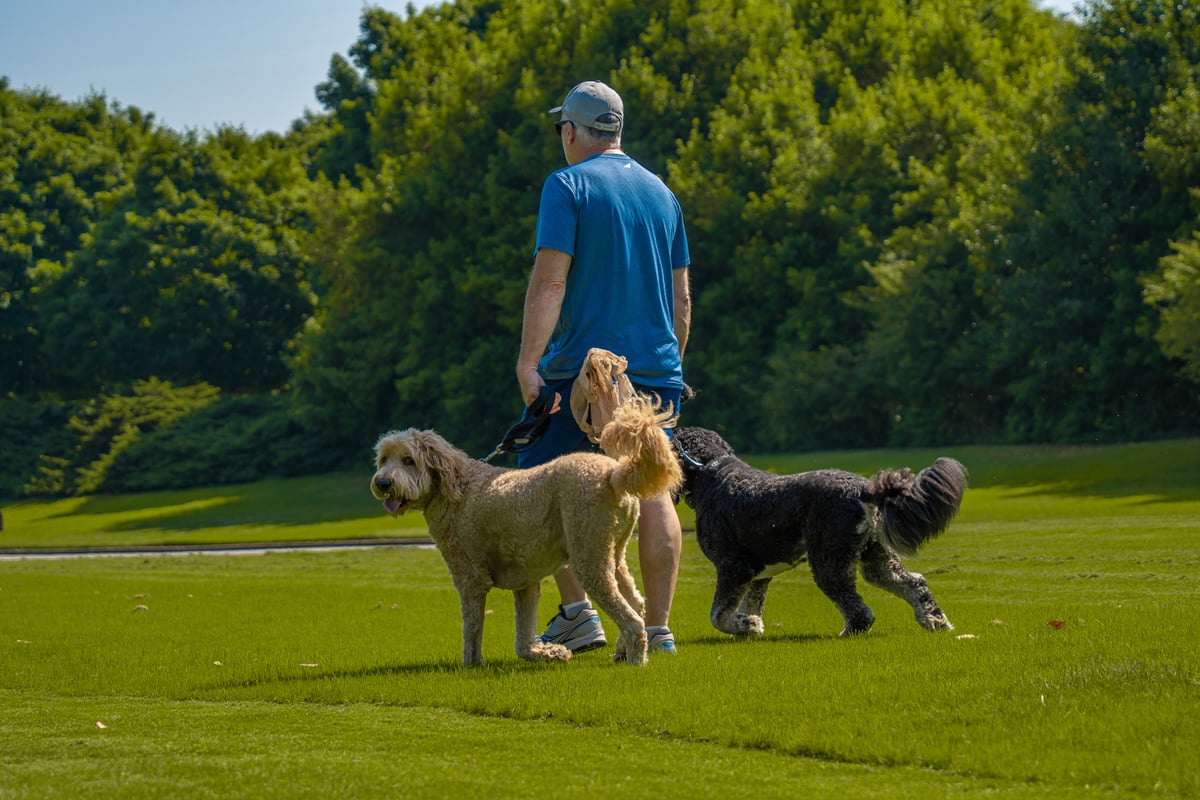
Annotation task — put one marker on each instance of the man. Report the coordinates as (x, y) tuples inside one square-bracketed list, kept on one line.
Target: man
[(610, 271)]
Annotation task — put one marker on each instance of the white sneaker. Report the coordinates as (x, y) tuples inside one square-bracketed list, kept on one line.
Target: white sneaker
[(578, 634), (661, 640)]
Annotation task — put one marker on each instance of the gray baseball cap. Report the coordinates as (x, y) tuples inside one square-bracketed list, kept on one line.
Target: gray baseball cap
[(594, 105)]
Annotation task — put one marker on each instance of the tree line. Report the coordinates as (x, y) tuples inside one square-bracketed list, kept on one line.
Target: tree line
[(911, 223)]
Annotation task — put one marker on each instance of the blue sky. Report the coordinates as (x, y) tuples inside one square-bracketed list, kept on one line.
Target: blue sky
[(192, 63)]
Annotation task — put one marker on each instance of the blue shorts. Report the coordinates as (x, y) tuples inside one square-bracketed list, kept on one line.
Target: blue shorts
[(563, 434)]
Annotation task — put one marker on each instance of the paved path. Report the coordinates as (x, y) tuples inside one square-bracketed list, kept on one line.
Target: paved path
[(238, 549)]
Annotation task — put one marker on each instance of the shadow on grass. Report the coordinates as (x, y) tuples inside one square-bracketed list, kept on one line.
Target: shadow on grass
[(717, 639), (491, 669), (334, 498), (427, 667)]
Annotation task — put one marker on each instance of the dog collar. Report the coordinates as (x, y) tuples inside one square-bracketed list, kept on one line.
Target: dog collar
[(685, 455)]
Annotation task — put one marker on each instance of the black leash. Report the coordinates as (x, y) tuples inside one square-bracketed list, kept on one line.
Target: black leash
[(537, 417), (533, 423)]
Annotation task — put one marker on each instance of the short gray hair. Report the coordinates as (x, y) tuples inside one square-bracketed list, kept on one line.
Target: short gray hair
[(595, 136), (592, 136)]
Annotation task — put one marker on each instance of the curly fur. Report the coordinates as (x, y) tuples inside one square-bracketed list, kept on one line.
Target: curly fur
[(508, 529), (753, 525)]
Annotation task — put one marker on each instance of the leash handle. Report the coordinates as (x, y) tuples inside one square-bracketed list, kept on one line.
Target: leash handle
[(532, 422)]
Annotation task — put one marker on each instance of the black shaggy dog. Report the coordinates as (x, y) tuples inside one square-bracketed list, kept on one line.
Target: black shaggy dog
[(753, 525)]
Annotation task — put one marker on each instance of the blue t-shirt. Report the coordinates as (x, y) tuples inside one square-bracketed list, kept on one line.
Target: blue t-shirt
[(624, 230)]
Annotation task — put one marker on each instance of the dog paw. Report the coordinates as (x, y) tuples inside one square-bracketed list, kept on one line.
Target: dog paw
[(857, 629), (636, 655), (938, 623), (630, 657), (858, 623), (739, 625), (542, 651)]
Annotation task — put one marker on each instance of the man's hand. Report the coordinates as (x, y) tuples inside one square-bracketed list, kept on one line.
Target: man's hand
[(531, 382)]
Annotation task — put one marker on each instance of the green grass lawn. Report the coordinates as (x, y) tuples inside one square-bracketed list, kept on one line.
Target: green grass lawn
[(336, 673), (337, 506)]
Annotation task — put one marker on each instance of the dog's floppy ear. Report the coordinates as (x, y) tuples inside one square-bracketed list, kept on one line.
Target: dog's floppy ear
[(438, 457)]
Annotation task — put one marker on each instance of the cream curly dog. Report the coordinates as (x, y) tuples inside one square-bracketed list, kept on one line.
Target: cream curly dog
[(509, 528)]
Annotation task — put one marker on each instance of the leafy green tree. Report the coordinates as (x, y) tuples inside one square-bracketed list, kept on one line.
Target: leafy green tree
[(349, 99), (1171, 147), (190, 272), (857, 157), (104, 427), (1072, 345), (233, 439), (1177, 291), (961, 138), (55, 159), (31, 429)]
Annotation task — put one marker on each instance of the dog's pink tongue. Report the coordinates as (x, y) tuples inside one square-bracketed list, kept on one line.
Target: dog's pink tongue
[(392, 504)]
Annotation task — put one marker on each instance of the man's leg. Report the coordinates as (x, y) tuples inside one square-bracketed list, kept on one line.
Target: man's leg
[(660, 541), (569, 587)]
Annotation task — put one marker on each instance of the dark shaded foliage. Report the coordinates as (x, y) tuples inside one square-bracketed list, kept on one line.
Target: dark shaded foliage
[(911, 223)]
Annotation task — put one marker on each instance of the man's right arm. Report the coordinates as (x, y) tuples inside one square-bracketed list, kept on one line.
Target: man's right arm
[(543, 303)]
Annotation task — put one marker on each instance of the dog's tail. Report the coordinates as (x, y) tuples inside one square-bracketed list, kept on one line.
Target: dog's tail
[(914, 509), (647, 466)]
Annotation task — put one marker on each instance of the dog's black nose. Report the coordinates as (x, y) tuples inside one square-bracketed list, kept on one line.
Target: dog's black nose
[(382, 483)]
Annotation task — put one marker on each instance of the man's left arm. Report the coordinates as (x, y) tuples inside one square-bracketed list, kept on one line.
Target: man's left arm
[(683, 308)]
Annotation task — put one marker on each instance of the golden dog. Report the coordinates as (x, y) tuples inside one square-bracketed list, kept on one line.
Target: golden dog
[(508, 529)]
